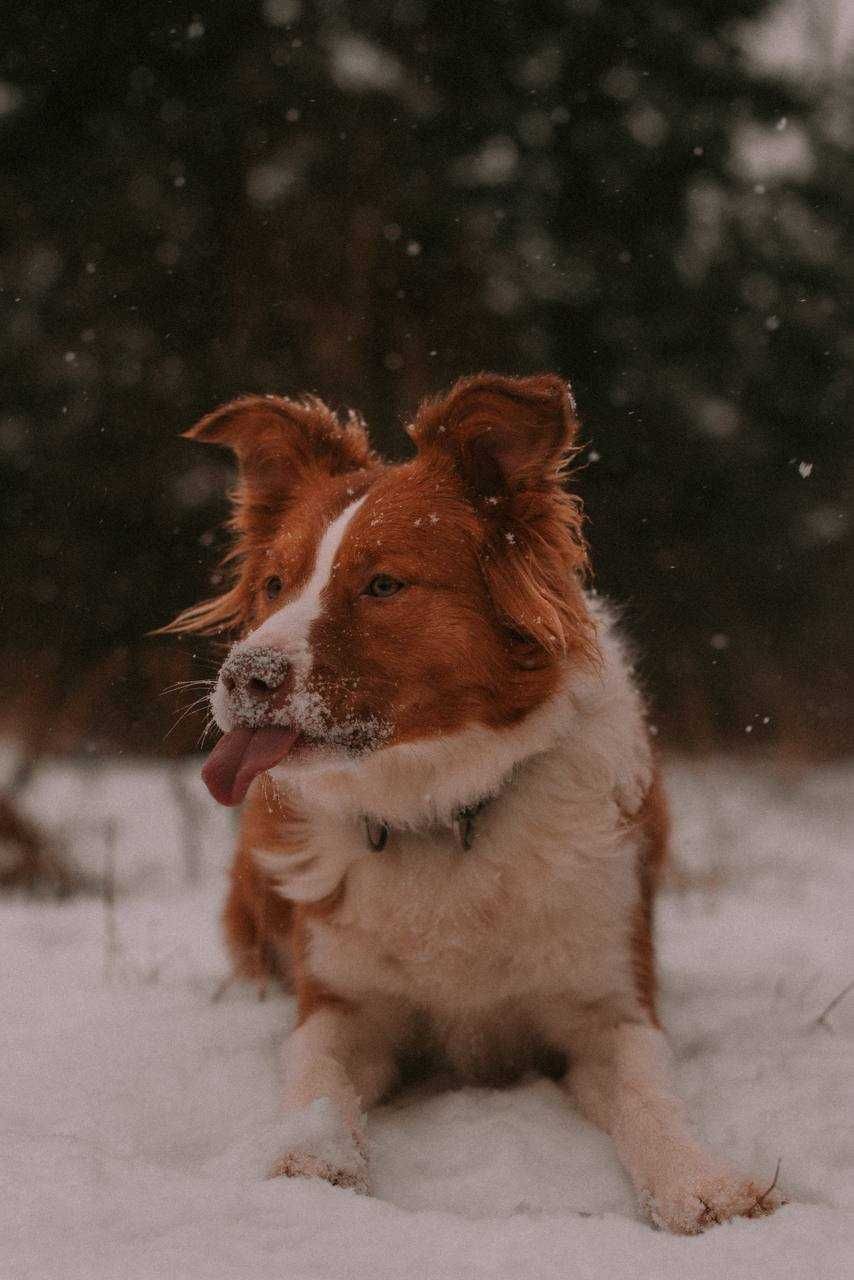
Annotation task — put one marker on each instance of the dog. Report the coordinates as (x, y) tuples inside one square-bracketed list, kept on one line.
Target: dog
[(454, 823)]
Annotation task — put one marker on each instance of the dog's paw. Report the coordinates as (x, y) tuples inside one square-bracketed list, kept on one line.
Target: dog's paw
[(319, 1144), (301, 1164), (695, 1204)]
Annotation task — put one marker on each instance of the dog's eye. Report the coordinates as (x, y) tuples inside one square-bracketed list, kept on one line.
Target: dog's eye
[(273, 587), (383, 586)]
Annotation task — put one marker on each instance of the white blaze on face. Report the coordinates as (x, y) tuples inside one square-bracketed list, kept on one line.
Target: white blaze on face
[(287, 630)]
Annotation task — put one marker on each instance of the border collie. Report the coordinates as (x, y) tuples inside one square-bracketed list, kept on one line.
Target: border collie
[(453, 822)]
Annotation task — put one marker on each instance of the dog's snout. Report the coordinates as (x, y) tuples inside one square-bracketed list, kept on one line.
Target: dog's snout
[(263, 675)]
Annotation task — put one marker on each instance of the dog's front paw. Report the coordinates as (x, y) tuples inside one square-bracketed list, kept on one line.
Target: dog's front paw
[(693, 1204), (301, 1164), (319, 1144)]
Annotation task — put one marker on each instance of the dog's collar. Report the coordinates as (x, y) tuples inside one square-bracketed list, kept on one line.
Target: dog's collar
[(463, 825)]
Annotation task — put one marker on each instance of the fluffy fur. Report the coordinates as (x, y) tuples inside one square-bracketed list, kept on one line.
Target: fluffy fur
[(419, 638)]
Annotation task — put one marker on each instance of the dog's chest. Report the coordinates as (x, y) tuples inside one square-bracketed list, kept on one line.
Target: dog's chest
[(523, 911)]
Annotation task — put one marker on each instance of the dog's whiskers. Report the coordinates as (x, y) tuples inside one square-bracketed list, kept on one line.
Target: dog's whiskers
[(210, 724), (187, 684), (185, 713)]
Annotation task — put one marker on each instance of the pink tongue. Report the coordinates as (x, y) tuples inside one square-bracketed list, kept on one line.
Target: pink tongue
[(241, 755)]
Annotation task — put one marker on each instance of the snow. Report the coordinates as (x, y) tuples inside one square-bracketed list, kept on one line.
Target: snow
[(358, 65), (139, 1117), (493, 165)]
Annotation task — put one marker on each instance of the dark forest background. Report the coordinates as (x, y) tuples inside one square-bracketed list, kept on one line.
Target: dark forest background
[(368, 200)]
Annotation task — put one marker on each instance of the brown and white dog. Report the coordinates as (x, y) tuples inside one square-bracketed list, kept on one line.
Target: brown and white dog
[(453, 823)]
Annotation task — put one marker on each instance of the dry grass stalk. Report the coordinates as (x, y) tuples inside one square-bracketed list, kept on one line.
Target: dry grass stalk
[(823, 1019)]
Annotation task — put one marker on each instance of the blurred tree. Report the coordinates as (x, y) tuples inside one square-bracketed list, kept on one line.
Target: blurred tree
[(370, 199)]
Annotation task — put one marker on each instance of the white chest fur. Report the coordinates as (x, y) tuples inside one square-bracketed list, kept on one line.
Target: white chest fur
[(539, 906)]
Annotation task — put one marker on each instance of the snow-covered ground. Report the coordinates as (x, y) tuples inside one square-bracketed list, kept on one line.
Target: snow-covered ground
[(137, 1116)]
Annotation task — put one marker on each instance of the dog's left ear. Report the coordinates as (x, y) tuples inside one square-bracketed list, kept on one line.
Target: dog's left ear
[(509, 440), (505, 434)]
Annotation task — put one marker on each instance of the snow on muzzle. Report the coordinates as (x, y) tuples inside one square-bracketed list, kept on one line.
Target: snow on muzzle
[(241, 755)]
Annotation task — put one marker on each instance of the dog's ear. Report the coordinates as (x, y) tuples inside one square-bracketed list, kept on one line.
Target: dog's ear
[(504, 434), (510, 441), (277, 442), (280, 445)]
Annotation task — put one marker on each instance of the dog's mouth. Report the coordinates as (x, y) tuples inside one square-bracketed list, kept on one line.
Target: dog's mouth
[(242, 754), (311, 735)]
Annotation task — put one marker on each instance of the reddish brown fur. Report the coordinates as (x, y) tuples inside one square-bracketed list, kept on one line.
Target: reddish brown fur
[(653, 821), (511, 440), (498, 674), (257, 921), (265, 932)]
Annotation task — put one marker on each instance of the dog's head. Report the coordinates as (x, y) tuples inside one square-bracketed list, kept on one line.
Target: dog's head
[(397, 626)]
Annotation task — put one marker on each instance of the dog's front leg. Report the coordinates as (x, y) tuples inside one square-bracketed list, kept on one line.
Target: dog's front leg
[(622, 1080), (337, 1064)]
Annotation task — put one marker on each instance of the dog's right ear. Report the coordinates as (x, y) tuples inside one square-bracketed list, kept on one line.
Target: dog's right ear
[(279, 442)]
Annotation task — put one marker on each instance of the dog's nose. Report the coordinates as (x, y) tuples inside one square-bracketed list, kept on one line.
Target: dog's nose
[(263, 675), (262, 687)]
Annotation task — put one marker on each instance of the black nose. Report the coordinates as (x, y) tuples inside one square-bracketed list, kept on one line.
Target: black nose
[(260, 673), (256, 685)]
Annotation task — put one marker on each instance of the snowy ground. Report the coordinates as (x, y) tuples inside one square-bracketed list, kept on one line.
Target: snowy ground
[(137, 1116)]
